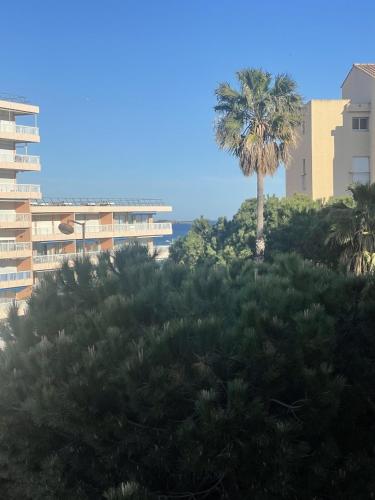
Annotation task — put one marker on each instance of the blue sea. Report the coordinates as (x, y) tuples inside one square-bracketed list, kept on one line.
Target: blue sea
[(179, 229)]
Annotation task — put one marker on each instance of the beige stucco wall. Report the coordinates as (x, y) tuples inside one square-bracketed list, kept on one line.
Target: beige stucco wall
[(326, 117), (349, 143), (301, 151), (317, 147), (357, 86)]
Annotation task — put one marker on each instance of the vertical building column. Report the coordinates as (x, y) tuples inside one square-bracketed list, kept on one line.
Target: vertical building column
[(24, 293), (24, 236), (24, 264), (106, 218)]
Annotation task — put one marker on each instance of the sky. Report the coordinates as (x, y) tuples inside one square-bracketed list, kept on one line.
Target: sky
[(126, 88)]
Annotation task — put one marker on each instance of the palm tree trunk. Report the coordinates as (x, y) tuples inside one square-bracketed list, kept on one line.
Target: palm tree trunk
[(260, 243)]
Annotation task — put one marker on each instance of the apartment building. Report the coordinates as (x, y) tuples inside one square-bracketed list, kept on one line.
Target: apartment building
[(336, 146), (31, 241)]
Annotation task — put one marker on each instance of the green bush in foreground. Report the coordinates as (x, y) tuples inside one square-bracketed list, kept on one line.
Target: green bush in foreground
[(128, 380)]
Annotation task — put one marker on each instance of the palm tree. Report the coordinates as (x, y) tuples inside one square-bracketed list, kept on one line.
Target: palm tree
[(353, 230), (258, 125)]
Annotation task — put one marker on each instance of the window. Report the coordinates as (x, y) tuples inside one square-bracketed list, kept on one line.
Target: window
[(303, 175), (360, 170), (360, 123), (303, 127)]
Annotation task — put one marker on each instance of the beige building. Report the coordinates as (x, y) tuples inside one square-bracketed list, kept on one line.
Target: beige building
[(30, 240), (336, 146)]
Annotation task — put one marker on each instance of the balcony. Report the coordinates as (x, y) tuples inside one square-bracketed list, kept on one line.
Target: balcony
[(26, 163), (14, 250), (6, 304), (94, 205), (9, 191), (14, 221), (54, 261), (106, 231), (15, 280), (143, 229), (21, 133)]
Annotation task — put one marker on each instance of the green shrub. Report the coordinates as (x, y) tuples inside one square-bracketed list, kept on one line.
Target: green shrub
[(133, 380)]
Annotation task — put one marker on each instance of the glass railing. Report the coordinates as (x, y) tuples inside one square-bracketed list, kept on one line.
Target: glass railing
[(18, 129), (24, 275), (100, 228), (16, 158), (15, 217), (11, 246), (27, 159), (19, 188), (60, 257), (77, 232), (110, 228), (142, 227)]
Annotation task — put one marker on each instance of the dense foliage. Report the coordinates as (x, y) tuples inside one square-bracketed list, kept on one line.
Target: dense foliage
[(291, 224), (352, 231), (128, 380)]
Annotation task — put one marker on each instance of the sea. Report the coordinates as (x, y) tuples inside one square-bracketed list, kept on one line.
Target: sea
[(179, 229)]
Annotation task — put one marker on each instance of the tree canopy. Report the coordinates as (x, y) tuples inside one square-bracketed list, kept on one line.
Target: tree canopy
[(257, 123), (296, 224), (131, 380)]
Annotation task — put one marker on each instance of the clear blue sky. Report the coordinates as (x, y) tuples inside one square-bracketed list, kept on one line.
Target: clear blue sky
[(126, 88)]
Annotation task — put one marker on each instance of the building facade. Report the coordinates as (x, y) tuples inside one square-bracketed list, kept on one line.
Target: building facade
[(336, 146), (31, 242)]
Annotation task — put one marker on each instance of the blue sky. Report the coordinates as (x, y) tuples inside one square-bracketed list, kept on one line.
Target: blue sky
[(126, 88)]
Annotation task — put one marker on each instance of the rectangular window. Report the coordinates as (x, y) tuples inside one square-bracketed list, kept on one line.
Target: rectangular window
[(303, 127), (360, 123), (360, 170), (303, 175)]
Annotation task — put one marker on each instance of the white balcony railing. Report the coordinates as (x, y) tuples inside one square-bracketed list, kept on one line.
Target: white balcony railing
[(18, 129), (19, 188), (99, 228), (143, 227), (110, 228), (11, 246), (24, 275), (16, 158), (14, 217), (27, 159), (60, 257)]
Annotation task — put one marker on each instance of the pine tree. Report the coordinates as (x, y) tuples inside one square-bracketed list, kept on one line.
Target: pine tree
[(128, 379)]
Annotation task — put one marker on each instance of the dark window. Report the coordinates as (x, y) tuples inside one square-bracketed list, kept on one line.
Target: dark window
[(360, 123), (363, 123)]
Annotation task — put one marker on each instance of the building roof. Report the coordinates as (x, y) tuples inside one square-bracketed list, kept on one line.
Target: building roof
[(368, 68)]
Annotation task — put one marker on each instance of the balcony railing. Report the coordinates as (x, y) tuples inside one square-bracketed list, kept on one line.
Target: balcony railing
[(10, 246), (60, 257), (142, 227), (24, 275), (16, 158), (15, 217), (18, 129), (100, 202), (99, 228), (110, 228), (19, 188)]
